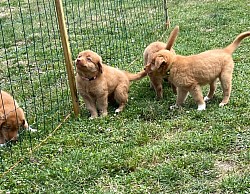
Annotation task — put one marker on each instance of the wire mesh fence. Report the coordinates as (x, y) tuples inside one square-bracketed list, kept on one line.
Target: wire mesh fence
[(117, 30), (32, 67)]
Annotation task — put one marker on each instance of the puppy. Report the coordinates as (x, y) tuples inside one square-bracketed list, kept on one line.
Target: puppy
[(11, 118), (96, 82), (157, 76), (189, 73)]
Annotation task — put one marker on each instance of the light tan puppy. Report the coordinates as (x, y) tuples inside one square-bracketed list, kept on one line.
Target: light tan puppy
[(11, 118), (189, 73), (96, 82), (159, 73)]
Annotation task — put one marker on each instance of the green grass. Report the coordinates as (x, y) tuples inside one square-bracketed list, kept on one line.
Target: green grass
[(149, 148)]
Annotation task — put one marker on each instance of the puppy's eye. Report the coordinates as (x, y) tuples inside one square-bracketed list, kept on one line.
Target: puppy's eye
[(89, 59), (5, 127)]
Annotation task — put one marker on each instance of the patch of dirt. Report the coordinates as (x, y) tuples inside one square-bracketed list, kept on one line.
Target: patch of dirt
[(5, 11), (224, 168)]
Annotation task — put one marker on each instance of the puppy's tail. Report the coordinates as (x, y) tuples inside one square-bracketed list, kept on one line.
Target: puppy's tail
[(172, 37), (136, 76), (234, 45)]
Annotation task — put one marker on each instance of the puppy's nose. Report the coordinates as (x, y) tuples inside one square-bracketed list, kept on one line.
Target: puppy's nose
[(14, 139), (78, 61)]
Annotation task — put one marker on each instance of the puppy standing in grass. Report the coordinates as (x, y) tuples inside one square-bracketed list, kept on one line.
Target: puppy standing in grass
[(189, 73), (159, 72), (96, 82), (11, 118)]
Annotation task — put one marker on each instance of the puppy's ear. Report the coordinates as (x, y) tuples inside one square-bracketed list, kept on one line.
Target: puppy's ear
[(2, 120), (160, 61), (25, 124), (99, 64)]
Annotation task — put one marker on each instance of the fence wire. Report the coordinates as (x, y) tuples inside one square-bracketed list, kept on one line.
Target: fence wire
[(117, 30), (32, 67)]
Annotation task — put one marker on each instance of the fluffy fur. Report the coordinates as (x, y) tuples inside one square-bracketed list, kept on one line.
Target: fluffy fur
[(11, 118), (189, 73), (159, 73), (96, 82)]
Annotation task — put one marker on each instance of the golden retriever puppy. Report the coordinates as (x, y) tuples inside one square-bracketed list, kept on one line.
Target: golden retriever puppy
[(96, 82), (159, 73), (189, 73), (11, 118)]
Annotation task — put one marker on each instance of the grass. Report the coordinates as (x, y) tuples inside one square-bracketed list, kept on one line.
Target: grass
[(148, 148)]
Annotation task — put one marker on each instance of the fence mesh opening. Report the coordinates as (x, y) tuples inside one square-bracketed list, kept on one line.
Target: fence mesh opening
[(32, 66)]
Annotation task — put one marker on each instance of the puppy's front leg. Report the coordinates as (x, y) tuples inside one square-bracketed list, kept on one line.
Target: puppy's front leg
[(102, 105), (90, 105), (157, 85), (181, 97)]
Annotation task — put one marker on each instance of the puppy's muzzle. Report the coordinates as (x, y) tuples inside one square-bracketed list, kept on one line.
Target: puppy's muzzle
[(14, 139)]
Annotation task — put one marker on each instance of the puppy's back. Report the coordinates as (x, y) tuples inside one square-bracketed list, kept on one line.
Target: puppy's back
[(114, 74), (10, 110), (6, 99)]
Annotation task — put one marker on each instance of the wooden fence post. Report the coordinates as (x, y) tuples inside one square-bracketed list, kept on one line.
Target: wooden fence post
[(166, 13), (67, 56)]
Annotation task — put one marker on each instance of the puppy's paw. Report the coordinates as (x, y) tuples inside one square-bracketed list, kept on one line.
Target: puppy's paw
[(2, 144), (206, 98), (174, 107), (201, 107), (104, 114), (222, 104), (31, 129), (92, 117), (117, 111)]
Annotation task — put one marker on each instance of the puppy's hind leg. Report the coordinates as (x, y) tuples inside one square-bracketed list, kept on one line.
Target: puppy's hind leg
[(226, 84), (121, 97), (211, 91)]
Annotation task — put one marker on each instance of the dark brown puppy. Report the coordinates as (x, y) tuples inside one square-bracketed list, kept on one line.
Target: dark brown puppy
[(189, 73), (96, 82), (159, 73)]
